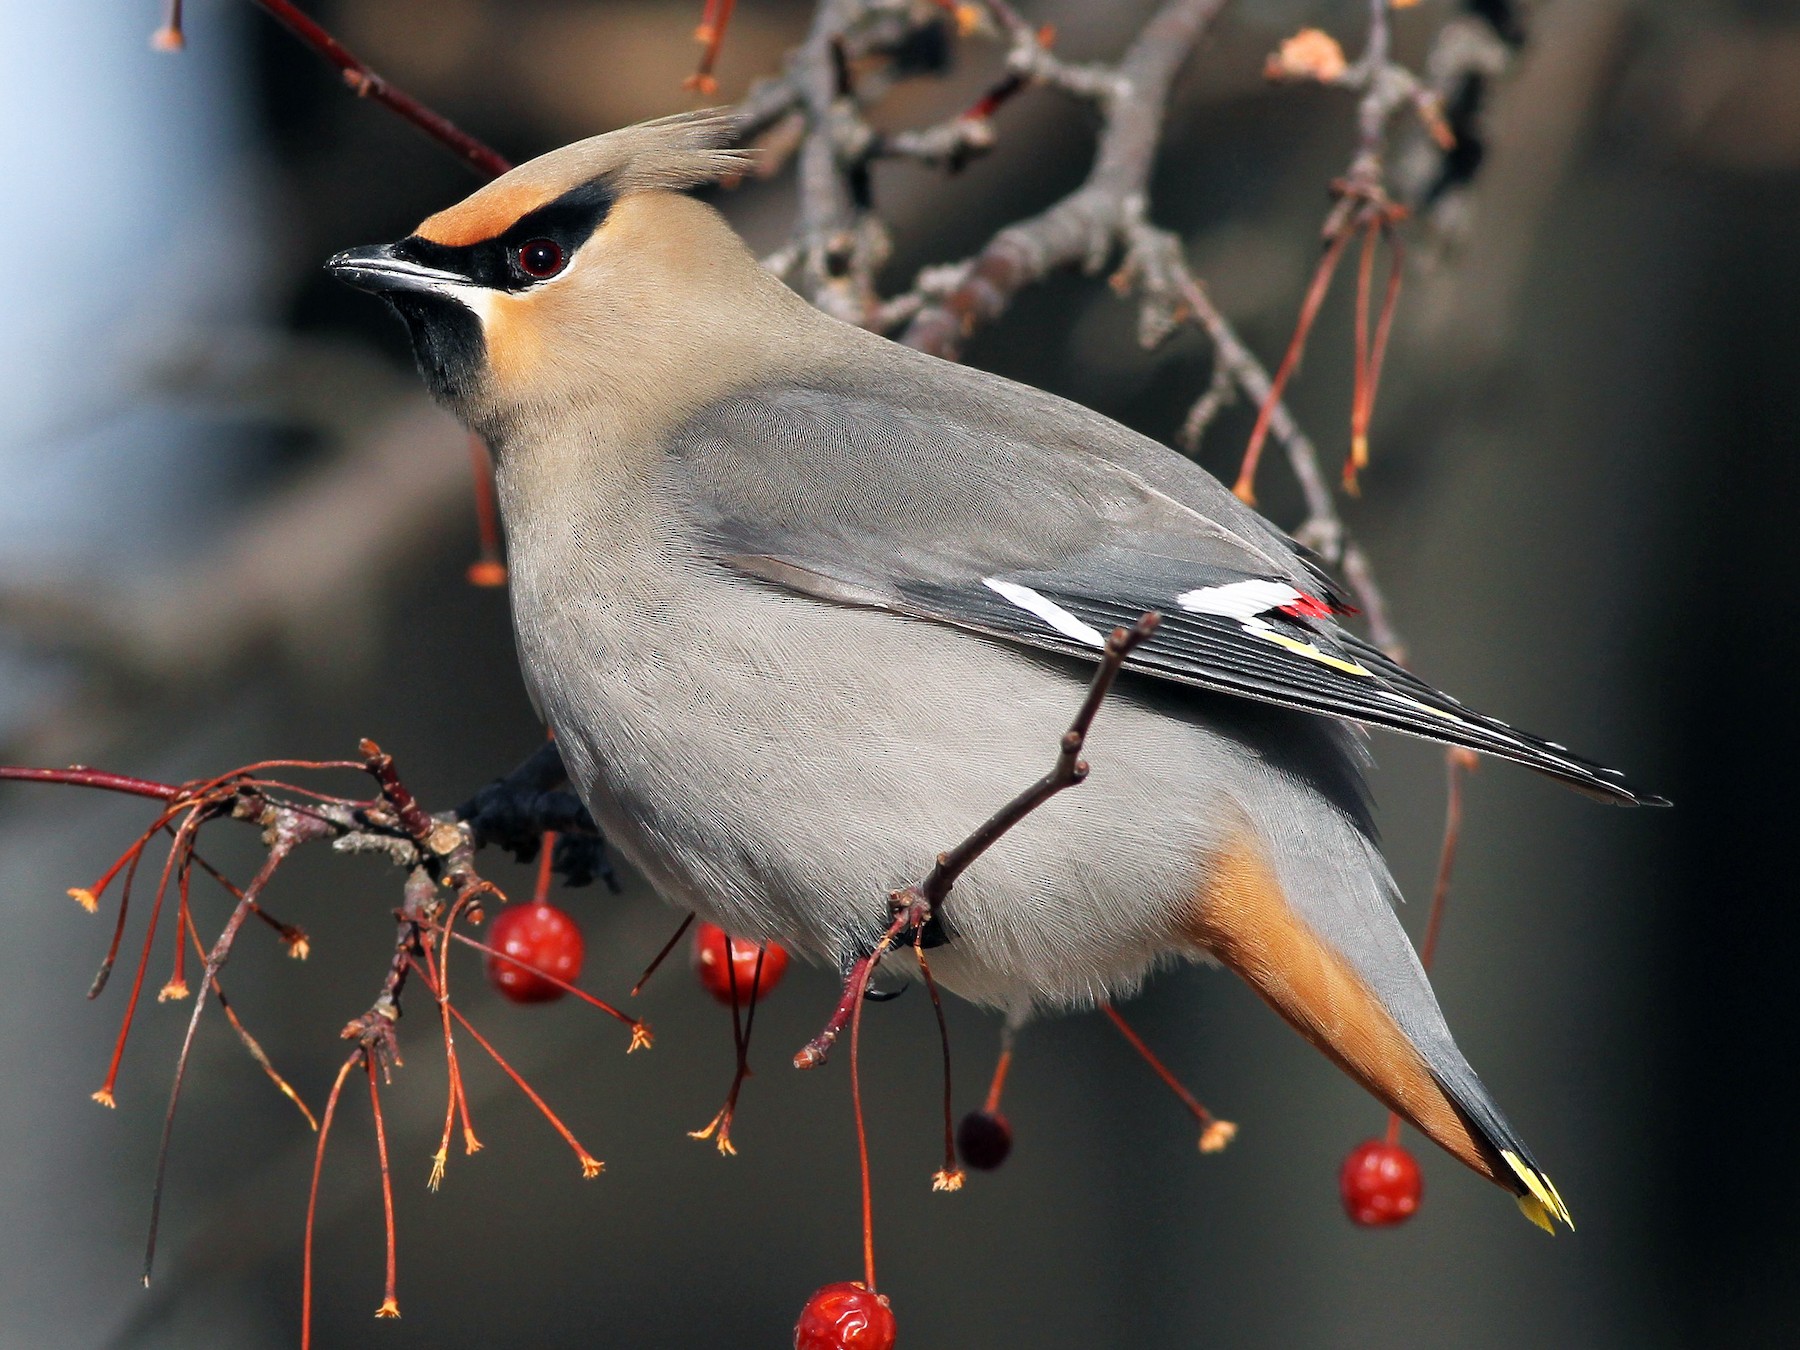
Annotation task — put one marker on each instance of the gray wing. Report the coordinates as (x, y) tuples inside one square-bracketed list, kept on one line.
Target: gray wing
[(954, 496)]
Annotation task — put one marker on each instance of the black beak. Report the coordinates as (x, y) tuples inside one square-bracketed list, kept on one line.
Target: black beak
[(376, 268)]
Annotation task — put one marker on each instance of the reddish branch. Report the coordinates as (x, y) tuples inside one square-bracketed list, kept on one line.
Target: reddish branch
[(662, 955), (312, 1199), (1363, 208), (362, 80), (78, 775), (441, 884), (710, 34), (365, 83)]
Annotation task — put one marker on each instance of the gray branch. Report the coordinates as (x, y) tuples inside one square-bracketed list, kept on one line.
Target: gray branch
[(1088, 225)]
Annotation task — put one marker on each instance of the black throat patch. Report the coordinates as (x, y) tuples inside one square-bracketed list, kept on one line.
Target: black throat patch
[(446, 337)]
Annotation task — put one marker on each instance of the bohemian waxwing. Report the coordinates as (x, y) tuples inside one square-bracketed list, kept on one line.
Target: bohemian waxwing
[(804, 606)]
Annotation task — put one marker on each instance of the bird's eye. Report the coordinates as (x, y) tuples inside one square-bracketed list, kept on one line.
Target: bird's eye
[(541, 258)]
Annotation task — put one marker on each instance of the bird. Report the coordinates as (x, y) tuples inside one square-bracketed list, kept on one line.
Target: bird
[(802, 606)]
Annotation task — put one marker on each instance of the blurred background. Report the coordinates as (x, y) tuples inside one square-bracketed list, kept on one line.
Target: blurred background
[(232, 527)]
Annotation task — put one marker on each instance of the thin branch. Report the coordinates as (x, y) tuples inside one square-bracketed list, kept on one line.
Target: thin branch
[(390, 1303), (1085, 226), (365, 83), (1458, 763), (78, 775), (662, 955), (914, 906), (294, 831), (1068, 770)]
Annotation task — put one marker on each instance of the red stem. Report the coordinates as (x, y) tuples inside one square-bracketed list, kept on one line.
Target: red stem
[(390, 1304), (1456, 761), (489, 569), (133, 855), (862, 1134), (951, 1177), (590, 1165), (1199, 1112), (540, 894), (1309, 310), (105, 1095), (1384, 322), (1362, 391), (998, 1085), (250, 1042), (79, 775), (714, 19), (860, 987), (540, 972), (312, 1200), (1440, 893), (170, 37), (183, 919), (661, 956)]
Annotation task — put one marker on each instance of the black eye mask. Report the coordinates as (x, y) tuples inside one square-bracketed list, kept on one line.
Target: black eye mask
[(505, 263)]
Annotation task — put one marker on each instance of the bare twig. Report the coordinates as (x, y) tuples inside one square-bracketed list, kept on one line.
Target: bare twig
[(365, 83), (1086, 226), (1070, 769), (914, 906), (79, 775)]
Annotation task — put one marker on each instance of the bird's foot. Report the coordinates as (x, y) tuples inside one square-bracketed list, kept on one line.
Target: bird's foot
[(515, 812)]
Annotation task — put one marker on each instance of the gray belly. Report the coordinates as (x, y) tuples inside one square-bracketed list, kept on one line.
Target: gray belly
[(780, 765)]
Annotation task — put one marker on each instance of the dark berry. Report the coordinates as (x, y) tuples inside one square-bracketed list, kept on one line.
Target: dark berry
[(983, 1140)]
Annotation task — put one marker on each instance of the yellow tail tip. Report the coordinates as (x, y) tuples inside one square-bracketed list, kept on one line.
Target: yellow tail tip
[(1540, 1203), (1530, 1207)]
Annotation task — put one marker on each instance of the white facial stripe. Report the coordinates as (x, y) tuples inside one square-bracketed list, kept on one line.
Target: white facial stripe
[(1239, 599), (1046, 609), (478, 300)]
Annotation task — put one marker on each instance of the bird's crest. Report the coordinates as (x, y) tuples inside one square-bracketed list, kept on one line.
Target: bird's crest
[(676, 153)]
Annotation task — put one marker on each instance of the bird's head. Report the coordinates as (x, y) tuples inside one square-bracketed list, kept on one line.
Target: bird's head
[(547, 286)]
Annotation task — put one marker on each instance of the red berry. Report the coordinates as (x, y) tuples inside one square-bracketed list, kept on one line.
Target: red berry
[(539, 935), (983, 1140), (1380, 1184), (714, 966), (845, 1317)]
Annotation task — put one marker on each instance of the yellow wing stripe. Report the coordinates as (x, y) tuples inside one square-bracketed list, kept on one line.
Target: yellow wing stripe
[(1311, 652)]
